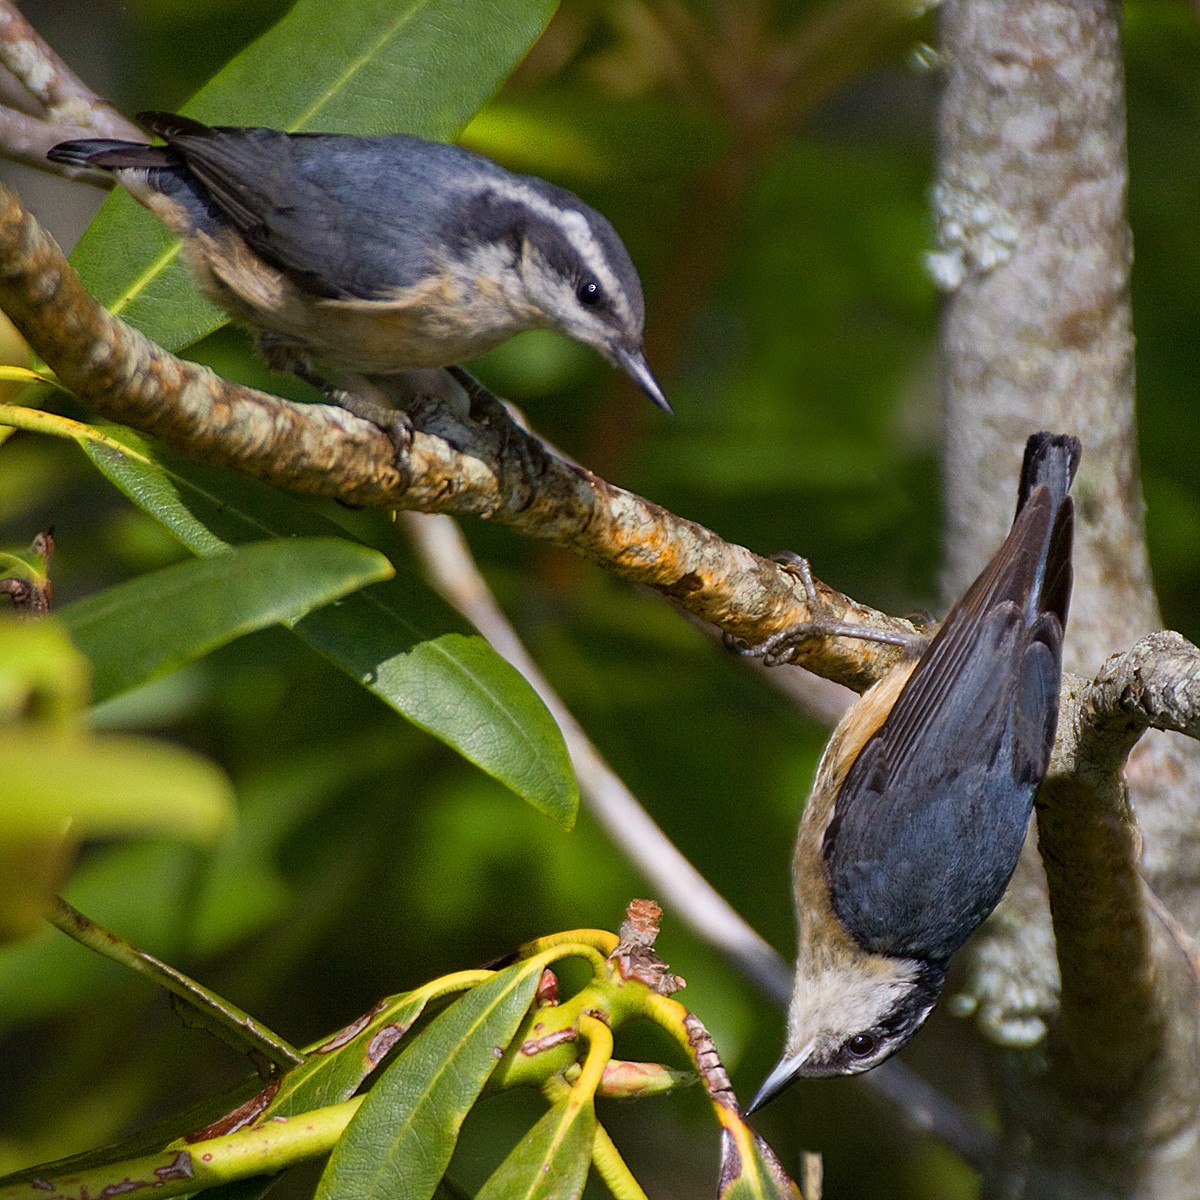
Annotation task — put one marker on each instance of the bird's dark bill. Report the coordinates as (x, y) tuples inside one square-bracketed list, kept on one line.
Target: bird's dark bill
[(634, 363)]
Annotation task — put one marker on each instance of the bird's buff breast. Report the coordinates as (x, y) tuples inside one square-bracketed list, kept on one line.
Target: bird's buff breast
[(440, 322)]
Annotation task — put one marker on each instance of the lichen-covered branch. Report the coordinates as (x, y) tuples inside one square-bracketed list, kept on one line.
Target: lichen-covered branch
[(489, 468), (1106, 1105), (1089, 845), (1107, 923), (62, 105), (1155, 685)]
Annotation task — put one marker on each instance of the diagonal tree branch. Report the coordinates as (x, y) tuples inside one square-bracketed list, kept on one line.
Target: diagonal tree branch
[(489, 468)]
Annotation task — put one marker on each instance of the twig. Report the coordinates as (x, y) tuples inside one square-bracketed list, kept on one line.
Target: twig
[(230, 1024), (1155, 685), (61, 105), (228, 1159), (448, 562)]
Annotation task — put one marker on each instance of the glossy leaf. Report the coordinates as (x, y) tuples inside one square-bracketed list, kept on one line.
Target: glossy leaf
[(137, 630), (551, 1161), (418, 66), (334, 1070), (397, 638), (400, 1142)]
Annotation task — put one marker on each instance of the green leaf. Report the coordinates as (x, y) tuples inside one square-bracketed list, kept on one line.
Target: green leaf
[(400, 1141), (551, 1161), (376, 66), (749, 1168), (333, 1071), (454, 686), (398, 638), (107, 784), (140, 629)]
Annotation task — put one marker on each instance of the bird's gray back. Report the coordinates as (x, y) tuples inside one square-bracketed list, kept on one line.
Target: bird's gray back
[(355, 217)]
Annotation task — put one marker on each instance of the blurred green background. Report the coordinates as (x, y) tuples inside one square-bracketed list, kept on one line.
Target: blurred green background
[(767, 164)]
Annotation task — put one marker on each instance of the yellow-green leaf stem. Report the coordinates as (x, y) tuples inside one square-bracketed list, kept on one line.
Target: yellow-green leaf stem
[(34, 420), (600, 1048), (593, 944), (10, 374), (612, 1168), (261, 1150)]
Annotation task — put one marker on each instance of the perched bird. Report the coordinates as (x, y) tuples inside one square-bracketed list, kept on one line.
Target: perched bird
[(369, 262), (923, 796)]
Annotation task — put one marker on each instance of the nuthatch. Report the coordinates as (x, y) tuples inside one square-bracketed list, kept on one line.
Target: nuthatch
[(378, 257), (923, 796)]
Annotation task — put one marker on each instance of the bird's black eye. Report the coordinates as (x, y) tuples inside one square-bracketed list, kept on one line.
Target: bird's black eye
[(589, 293), (861, 1045)]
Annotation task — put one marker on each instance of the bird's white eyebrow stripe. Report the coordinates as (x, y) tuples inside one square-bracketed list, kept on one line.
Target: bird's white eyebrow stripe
[(579, 233)]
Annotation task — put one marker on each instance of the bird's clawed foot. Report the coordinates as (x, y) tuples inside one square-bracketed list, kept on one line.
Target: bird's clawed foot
[(781, 647)]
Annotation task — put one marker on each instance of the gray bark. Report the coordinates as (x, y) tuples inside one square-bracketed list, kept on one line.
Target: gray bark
[(1097, 1078)]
